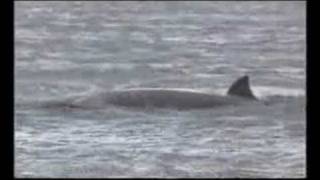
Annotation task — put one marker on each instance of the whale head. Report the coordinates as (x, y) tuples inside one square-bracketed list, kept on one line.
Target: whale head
[(241, 88)]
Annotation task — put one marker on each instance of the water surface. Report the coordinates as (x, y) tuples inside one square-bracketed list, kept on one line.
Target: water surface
[(63, 49)]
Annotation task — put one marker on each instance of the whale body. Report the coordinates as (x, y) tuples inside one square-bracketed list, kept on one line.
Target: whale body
[(238, 92)]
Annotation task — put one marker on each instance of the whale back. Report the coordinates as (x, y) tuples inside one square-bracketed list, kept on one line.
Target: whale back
[(241, 88)]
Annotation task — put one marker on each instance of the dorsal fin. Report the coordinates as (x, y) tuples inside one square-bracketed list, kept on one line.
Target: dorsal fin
[(241, 87)]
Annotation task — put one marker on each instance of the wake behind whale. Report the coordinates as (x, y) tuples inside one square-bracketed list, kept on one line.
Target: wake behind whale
[(238, 93)]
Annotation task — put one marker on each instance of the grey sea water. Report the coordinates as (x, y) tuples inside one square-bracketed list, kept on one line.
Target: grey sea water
[(80, 48)]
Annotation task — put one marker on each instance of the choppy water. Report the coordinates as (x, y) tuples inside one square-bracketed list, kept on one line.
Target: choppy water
[(78, 48)]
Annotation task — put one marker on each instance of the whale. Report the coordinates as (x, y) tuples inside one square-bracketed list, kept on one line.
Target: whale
[(239, 92)]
